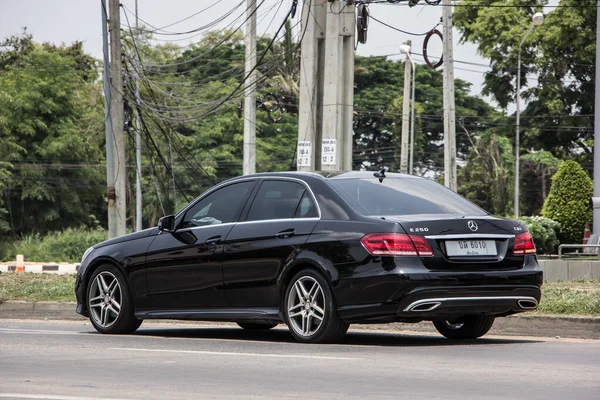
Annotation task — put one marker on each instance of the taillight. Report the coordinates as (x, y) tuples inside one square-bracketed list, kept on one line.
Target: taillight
[(396, 245), (524, 244)]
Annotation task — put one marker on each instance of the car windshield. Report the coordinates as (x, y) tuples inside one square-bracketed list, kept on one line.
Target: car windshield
[(403, 196)]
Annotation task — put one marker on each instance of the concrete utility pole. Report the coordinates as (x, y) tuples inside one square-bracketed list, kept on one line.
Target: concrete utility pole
[(117, 114), (110, 170), (449, 107), (537, 20), (138, 137), (596, 219), (310, 110), (404, 139), (249, 166), (327, 86)]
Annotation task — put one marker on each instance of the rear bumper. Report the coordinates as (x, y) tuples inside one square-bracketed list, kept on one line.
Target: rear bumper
[(433, 303), (413, 293)]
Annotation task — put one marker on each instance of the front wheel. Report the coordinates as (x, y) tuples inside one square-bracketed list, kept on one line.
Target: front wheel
[(109, 303), (467, 327), (310, 311)]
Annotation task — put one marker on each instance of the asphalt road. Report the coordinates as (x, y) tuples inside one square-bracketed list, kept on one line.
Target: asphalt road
[(68, 360)]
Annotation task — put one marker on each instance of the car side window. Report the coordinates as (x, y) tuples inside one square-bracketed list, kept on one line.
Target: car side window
[(307, 207), (277, 200), (219, 207)]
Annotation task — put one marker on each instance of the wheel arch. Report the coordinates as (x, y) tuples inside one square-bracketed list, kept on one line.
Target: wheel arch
[(328, 271)]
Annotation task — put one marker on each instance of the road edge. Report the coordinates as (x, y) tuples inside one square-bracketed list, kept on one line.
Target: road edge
[(564, 326)]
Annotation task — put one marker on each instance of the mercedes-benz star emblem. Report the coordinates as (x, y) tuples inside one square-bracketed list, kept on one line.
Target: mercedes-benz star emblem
[(472, 225)]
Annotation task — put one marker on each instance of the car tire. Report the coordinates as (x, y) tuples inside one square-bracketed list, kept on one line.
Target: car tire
[(310, 311), (467, 327), (255, 326), (109, 302)]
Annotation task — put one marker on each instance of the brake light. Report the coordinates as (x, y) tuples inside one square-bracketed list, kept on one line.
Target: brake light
[(396, 245), (524, 244)]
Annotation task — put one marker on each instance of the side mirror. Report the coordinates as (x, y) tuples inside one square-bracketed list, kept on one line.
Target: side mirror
[(167, 224), (595, 203)]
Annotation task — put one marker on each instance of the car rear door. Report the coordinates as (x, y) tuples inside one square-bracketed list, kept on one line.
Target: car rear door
[(278, 222), (184, 268)]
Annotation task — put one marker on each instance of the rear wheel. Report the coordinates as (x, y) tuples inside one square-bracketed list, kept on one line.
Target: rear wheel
[(467, 327), (109, 302), (254, 326), (310, 311)]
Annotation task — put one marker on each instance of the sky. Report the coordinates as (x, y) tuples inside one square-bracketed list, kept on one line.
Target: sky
[(66, 21)]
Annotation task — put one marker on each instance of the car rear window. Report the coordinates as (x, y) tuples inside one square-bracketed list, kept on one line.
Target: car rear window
[(403, 196)]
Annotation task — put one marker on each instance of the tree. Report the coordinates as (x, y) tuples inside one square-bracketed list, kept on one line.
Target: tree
[(568, 201), (378, 115), (537, 169), (559, 114), (487, 178), (50, 137)]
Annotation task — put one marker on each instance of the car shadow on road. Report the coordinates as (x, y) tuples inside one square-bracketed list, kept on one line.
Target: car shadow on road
[(282, 335)]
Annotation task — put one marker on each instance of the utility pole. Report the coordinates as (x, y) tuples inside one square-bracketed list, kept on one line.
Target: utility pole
[(327, 86), (110, 171), (449, 106), (117, 114), (404, 142), (138, 136), (596, 219), (249, 166), (310, 110)]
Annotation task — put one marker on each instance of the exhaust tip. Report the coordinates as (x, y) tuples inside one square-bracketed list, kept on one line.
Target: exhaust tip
[(527, 304), (423, 307)]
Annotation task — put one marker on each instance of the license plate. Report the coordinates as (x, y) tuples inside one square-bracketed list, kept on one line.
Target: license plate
[(471, 248)]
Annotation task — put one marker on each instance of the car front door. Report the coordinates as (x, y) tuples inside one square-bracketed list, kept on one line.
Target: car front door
[(281, 217), (184, 268)]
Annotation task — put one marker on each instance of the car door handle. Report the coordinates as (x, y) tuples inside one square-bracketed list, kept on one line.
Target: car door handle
[(285, 234), (214, 240)]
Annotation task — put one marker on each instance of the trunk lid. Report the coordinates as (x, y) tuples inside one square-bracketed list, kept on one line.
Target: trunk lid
[(466, 243)]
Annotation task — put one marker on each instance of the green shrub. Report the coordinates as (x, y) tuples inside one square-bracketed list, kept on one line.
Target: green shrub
[(543, 231), (567, 202), (6, 247), (65, 246)]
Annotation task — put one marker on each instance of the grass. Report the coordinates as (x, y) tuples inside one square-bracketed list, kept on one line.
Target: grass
[(578, 297), (36, 287)]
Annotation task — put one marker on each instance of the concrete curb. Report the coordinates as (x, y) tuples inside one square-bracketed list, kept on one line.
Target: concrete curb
[(566, 326)]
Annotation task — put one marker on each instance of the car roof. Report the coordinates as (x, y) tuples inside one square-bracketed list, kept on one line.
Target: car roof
[(328, 175)]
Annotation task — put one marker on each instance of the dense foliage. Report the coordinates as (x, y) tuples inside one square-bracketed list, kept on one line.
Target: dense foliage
[(61, 246), (52, 150), (544, 232), (51, 175), (568, 201), (557, 74)]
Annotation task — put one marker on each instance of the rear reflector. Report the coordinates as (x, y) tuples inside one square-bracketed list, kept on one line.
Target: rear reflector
[(524, 244), (396, 245)]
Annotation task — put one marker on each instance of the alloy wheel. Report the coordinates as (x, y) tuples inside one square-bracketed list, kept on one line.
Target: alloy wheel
[(105, 299), (306, 306)]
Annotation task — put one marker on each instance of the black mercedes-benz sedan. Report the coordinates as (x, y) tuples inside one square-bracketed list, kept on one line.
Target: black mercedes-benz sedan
[(318, 251)]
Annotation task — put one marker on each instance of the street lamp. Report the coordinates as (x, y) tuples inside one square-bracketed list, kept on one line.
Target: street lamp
[(406, 50), (536, 20)]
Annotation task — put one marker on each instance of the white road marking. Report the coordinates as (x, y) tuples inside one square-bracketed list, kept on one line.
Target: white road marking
[(37, 331), (225, 353), (49, 397)]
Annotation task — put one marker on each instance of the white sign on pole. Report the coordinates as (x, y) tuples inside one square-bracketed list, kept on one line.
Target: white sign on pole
[(328, 151), (304, 154)]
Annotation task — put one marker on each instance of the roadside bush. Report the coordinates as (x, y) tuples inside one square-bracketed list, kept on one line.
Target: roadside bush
[(568, 201), (68, 245), (544, 232), (5, 248)]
